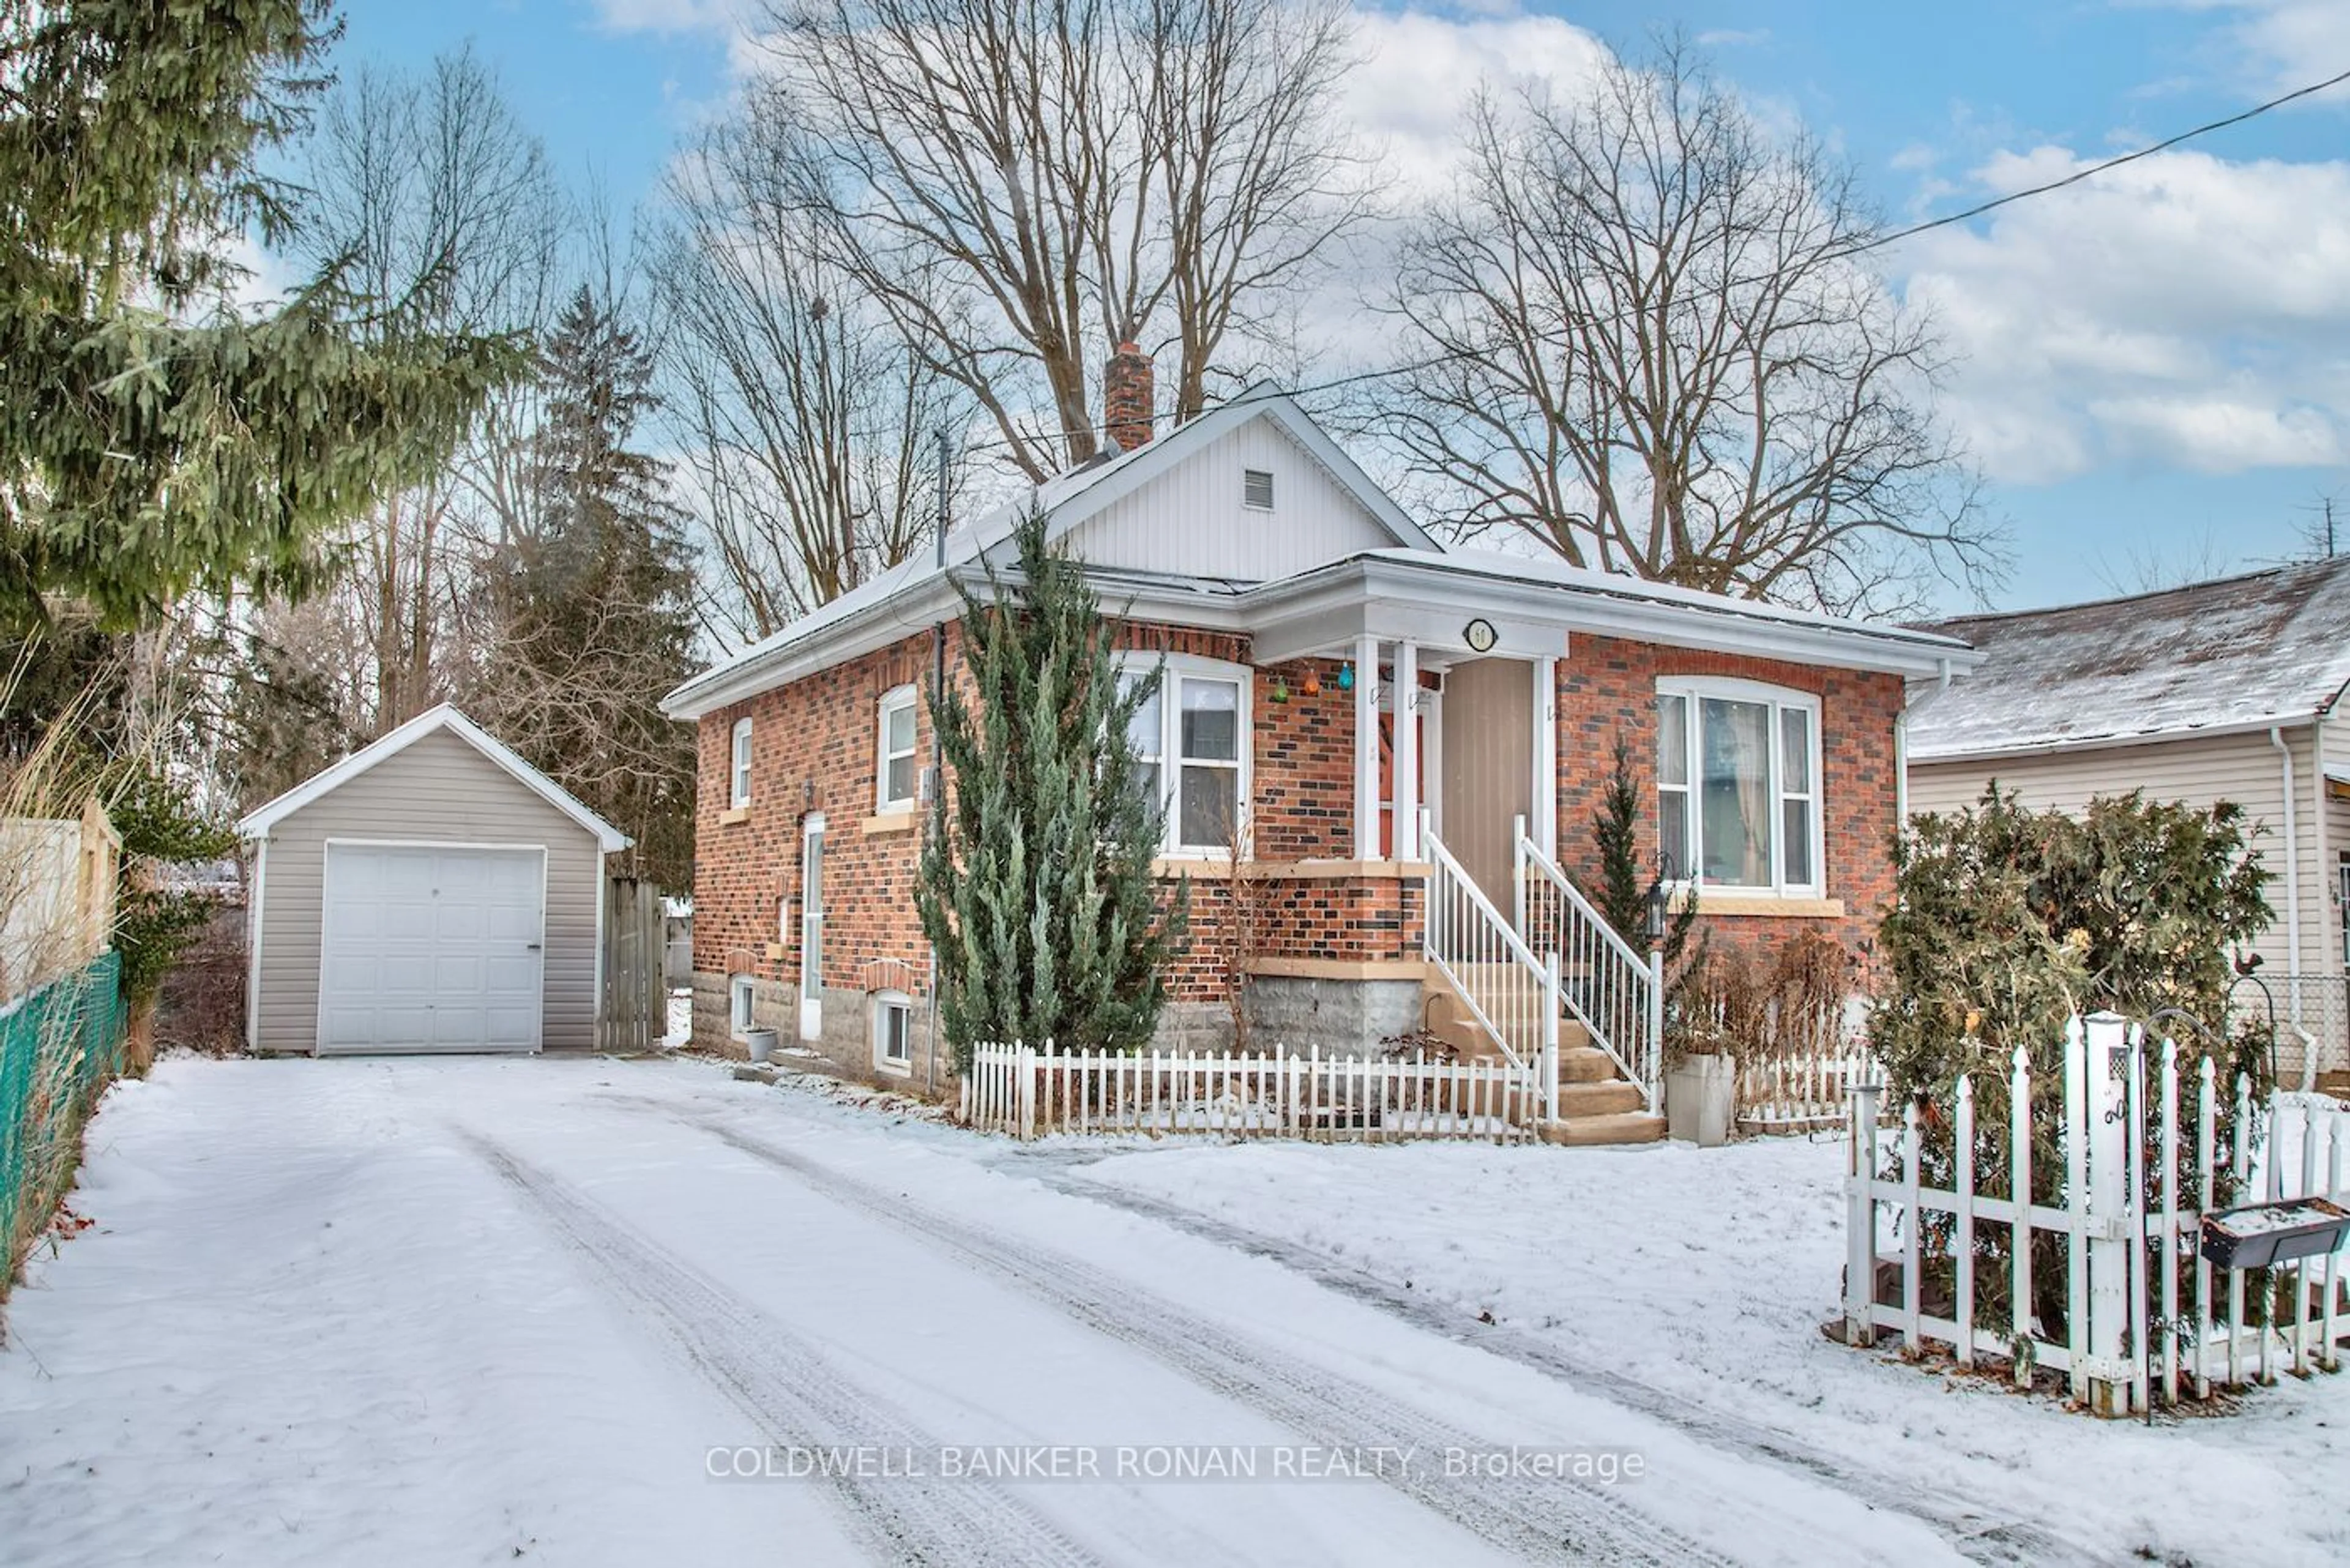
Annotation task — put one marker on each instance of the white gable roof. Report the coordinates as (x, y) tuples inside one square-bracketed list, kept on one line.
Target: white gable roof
[(258, 822), (916, 592)]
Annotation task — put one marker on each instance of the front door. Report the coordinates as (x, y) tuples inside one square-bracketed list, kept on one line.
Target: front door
[(812, 928), (1486, 769)]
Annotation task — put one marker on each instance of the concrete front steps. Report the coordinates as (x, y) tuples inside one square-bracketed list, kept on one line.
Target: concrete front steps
[(1596, 1105)]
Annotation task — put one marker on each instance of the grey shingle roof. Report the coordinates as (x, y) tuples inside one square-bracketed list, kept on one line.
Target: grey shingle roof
[(2270, 646)]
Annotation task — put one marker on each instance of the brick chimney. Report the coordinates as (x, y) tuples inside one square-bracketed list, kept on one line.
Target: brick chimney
[(1128, 387)]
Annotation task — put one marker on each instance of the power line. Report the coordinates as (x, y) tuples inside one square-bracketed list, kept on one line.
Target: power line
[(2094, 170)]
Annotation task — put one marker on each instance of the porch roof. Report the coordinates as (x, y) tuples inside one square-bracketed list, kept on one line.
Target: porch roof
[(1535, 605)]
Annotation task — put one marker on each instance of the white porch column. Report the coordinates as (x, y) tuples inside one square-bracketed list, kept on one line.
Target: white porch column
[(1407, 751), (1367, 748), (1545, 749)]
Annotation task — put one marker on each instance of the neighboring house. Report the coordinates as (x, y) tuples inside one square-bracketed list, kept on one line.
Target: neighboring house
[(1291, 598), (432, 892), (2221, 690)]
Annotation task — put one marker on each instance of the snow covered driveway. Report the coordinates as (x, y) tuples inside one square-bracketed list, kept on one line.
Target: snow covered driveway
[(472, 1311)]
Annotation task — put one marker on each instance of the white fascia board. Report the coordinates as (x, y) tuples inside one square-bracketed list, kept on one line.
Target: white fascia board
[(914, 609), (1998, 753), (919, 607), (257, 823), (1535, 607)]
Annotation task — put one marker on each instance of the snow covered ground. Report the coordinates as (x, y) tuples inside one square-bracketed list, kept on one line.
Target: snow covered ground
[(474, 1311)]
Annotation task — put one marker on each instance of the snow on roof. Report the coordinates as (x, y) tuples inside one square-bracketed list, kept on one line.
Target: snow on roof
[(973, 543), (2270, 646), (1553, 571), (431, 722)]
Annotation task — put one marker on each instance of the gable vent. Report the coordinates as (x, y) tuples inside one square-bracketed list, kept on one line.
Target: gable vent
[(1257, 488)]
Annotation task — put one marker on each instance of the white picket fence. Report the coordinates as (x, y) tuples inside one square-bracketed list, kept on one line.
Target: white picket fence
[(2144, 1312), (1034, 1092), (1800, 1093)]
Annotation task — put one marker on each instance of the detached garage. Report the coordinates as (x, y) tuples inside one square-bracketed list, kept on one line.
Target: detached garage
[(432, 892)]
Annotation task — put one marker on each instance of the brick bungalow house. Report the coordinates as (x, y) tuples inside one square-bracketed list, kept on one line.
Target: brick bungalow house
[(1398, 876)]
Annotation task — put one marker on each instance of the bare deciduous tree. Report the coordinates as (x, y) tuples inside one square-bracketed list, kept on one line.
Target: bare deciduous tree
[(1023, 184), (1655, 351), (438, 209), (803, 421)]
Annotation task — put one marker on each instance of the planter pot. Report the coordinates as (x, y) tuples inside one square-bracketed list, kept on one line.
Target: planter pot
[(1700, 1097), (762, 1044)]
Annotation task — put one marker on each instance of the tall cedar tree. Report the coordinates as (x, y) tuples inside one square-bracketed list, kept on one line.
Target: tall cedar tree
[(1036, 886), (592, 612), (2006, 921), (155, 438), (1621, 891)]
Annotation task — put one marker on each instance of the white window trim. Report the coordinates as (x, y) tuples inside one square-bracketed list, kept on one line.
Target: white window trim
[(897, 697), (742, 1004), (883, 1000), (1178, 666), (1693, 690), (738, 763)]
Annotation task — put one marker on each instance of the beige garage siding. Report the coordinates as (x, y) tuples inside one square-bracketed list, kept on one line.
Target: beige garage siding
[(438, 790), (2245, 769)]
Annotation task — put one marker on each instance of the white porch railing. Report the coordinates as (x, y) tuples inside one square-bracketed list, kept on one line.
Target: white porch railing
[(1512, 991), (1614, 990)]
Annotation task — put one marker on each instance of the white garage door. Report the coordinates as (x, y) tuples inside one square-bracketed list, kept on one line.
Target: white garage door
[(431, 949)]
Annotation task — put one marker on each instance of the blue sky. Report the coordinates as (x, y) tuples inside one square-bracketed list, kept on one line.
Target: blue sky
[(2154, 369)]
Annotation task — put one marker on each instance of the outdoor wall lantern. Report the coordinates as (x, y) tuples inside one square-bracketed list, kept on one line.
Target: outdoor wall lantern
[(1656, 898)]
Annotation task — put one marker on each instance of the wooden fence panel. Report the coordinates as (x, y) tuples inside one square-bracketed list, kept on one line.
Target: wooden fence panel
[(632, 1010)]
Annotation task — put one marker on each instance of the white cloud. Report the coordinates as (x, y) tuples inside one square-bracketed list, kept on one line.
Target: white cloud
[(2181, 311), (1418, 72), (2284, 44), (1734, 38)]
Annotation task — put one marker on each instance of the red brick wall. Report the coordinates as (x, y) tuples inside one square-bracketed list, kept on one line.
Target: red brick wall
[(814, 748), (1607, 686)]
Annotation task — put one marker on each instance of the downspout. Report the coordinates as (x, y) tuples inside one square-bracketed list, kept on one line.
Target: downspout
[(2292, 873), (1901, 767), (938, 780), (2332, 1024)]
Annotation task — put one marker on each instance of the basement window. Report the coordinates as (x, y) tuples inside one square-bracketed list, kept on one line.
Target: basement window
[(893, 1031), (1257, 488), (738, 998)]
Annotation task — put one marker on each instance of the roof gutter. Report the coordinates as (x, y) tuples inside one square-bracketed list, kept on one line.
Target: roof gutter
[(1931, 757), (1575, 607)]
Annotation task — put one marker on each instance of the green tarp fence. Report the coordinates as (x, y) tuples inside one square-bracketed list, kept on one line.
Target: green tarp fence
[(60, 1047)]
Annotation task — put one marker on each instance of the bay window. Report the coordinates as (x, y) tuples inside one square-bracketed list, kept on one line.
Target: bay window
[(1737, 769), (1191, 737)]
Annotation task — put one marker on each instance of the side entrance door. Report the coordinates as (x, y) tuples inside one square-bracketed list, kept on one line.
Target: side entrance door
[(812, 927)]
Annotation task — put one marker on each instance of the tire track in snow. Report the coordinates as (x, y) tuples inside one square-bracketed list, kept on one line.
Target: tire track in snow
[(1976, 1535), (1553, 1521), (788, 1389)]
